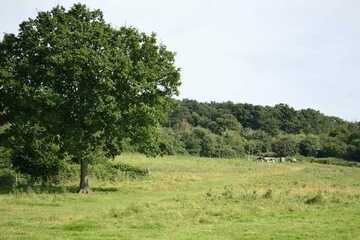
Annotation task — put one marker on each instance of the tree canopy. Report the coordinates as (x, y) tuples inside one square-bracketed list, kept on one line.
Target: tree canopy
[(83, 83), (280, 130)]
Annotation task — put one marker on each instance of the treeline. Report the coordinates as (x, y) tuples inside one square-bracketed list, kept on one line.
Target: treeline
[(235, 129), (230, 130)]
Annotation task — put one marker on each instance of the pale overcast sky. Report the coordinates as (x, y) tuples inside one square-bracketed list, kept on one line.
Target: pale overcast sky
[(305, 53)]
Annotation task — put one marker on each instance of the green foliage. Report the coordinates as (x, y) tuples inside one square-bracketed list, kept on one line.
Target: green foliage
[(257, 129), (75, 88), (226, 122), (191, 142), (310, 146), (202, 142), (288, 118), (7, 179), (255, 147), (235, 141), (332, 147), (170, 142), (5, 154), (273, 120), (35, 153), (85, 83), (285, 146), (209, 142), (353, 150), (5, 151)]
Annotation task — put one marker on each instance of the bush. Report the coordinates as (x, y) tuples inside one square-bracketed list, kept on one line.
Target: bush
[(256, 147), (200, 141), (310, 146), (127, 146), (353, 152), (224, 151), (332, 147), (191, 142), (234, 141), (209, 143), (7, 179), (35, 153), (40, 167), (284, 147), (170, 143)]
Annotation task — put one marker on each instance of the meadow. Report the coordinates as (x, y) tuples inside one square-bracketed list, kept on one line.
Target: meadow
[(195, 198)]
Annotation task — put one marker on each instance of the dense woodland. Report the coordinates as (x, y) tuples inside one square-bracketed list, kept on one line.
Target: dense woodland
[(230, 130)]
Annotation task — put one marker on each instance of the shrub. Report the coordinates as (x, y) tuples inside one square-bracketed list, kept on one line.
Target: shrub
[(34, 152), (7, 179), (284, 147), (192, 142), (234, 141), (224, 151), (256, 147), (353, 152), (310, 146), (332, 147), (201, 141), (209, 142), (40, 164), (170, 143)]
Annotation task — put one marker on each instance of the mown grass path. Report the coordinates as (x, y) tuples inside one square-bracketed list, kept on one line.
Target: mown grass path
[(197, 198)]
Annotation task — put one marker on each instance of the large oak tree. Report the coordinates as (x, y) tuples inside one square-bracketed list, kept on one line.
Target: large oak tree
[(84, 83)]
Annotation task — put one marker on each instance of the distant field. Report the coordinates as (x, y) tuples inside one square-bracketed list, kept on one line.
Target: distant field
[(197, 198)]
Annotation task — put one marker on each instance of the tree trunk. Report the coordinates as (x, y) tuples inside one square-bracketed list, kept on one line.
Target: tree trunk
[(84, 181)]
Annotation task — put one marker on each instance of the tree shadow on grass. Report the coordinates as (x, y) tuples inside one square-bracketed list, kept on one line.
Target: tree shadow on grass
[(22, 188), (53, 189), (104, 189)]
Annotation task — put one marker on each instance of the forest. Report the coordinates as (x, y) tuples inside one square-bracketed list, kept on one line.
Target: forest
[(235, 129)]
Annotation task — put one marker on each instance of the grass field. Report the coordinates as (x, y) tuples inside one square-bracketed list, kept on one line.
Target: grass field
[(196, 198)]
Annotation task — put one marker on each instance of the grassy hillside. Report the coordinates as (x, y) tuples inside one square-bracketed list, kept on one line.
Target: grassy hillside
[(196, 198)]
